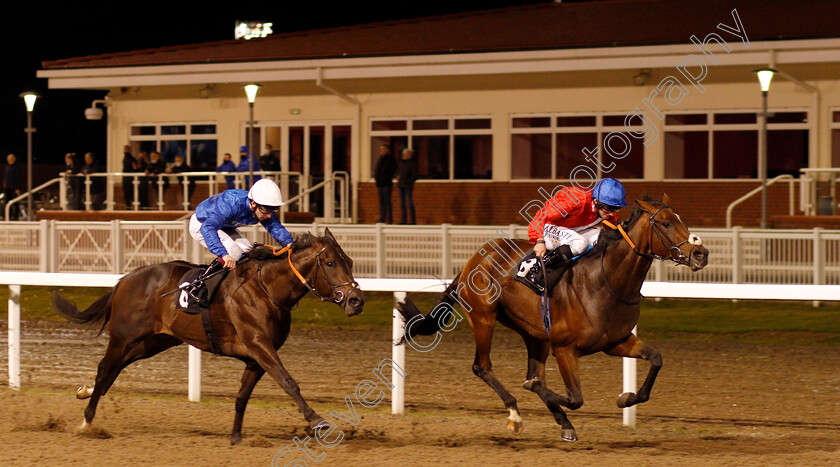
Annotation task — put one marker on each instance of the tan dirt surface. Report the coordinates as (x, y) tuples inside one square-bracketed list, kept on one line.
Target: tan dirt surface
[(715, 403)]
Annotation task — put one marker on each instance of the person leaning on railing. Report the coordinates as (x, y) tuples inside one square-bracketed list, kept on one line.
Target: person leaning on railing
[(180, 167), (228, 166), (74, 181), (97, 185)]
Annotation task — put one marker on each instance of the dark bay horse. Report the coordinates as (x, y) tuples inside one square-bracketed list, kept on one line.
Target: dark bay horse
[(593, 308), (250, 315)]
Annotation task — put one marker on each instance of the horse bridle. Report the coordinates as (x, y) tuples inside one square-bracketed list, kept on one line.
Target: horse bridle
[(338, 297), (675, 255)]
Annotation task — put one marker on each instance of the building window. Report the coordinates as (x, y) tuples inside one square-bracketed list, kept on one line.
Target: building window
[(552, 146), (447, 148), (835, 138), (725, 144), (195, 142)]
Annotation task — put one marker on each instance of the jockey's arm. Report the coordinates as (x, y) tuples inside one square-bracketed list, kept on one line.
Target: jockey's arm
[(209, 230), (277, 231)]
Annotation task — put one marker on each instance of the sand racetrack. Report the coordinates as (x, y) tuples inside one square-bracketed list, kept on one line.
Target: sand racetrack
[(724, 403)]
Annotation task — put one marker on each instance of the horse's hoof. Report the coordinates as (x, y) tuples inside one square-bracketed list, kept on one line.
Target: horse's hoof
[(235, 440), (84, 426), (568, 435), (310, 429), (626, 399), (515, 427), (84, 392), (530, 384)]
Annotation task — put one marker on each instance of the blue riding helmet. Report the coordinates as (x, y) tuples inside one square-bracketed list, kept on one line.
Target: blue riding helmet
[(609, 191)]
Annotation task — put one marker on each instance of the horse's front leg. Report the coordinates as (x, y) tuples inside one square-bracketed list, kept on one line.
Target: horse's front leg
[(262, 351), (633, 347)]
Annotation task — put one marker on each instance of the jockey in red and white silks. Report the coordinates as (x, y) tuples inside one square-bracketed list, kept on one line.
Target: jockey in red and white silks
[(570, 219)]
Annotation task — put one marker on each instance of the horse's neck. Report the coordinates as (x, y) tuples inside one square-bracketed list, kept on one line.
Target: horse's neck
[(624, 268), (283, 283)]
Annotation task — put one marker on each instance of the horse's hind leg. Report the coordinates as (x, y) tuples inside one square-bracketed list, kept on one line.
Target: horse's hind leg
[(538, 351), (483, 368), (118, 356), (250, 378), (635, 348)]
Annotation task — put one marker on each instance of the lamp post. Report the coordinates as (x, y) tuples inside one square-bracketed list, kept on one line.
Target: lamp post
[(251, 92), (29, 99), (765, 75)]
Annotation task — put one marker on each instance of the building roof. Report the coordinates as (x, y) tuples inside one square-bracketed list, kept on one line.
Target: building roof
[(547, 26)]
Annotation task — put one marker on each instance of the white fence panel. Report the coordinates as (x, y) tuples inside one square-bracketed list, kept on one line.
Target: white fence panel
[(737, 255)]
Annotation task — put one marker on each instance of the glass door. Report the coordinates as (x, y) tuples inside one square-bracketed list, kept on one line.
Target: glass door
[(311, 153)]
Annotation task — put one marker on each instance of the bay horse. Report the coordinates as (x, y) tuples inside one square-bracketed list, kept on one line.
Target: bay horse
[(250, 315), (593, 308)]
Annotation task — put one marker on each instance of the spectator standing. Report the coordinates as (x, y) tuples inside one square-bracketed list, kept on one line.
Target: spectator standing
[(407, 174), (244, 165), (156, 167), (97, 186), (269, 161), (129, 165), (74, 180), (12, 184), (228, 166), (180, 167), (143, 189), (384, 174)]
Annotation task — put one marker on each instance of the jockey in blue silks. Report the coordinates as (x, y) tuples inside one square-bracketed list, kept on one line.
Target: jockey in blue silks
[(216, 219)]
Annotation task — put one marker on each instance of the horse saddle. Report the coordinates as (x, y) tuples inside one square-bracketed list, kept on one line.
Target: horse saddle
[(529, 270), (202, 296)]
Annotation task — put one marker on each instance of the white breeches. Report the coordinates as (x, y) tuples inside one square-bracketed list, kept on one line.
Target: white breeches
[(578, 241), (234, 242)]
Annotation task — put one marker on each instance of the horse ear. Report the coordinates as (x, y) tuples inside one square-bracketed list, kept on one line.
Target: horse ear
[(329, 235), (647, 207), (666, 200)]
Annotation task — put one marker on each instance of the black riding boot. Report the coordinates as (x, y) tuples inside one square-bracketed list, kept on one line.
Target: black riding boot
[(193, 288), (555, 262)]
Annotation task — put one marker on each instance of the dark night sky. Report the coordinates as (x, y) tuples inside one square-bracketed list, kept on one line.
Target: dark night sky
[(41, 30)]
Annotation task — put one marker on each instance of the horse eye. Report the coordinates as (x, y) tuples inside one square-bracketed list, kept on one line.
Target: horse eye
[(667, 225), (330, 264)]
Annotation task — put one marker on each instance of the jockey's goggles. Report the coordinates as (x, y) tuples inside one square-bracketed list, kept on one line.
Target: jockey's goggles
[(267, 209), (607, 207)]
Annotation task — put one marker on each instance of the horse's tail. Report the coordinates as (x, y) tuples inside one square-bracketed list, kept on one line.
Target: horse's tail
[(99, 311), (428, 325)]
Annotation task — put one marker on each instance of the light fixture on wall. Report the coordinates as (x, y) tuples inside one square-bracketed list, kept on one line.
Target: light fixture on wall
[(95, 113), (205, 92), (642, 77)]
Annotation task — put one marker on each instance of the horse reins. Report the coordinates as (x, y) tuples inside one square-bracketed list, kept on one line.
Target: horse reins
[(337, 297)]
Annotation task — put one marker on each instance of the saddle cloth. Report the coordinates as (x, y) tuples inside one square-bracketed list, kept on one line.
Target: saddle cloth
[(530, 267), (185, 302)]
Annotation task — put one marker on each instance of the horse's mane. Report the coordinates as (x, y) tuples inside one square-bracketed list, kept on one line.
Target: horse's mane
[(301, 241), (609, 236)]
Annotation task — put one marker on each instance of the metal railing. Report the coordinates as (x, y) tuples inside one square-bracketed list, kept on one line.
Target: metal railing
[(808, 181), (288, 181), (738, 255), (758, 190)]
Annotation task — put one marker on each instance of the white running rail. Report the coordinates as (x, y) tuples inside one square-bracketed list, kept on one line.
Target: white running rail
[(400, 286)]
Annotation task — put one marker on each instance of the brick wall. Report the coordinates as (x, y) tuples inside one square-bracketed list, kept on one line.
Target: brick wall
[(701, 204)]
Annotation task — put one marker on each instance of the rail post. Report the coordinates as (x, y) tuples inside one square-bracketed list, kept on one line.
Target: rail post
[(194, 375), (398, 356), (629, 413), (819, 259), (14, 337)]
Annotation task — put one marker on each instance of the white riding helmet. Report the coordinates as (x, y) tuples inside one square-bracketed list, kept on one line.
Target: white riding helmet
[(266, 193)]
